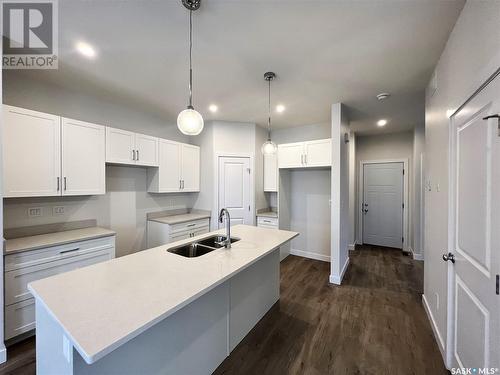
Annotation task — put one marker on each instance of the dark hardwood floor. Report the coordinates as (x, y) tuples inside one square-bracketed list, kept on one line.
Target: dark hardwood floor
[(373, 324)]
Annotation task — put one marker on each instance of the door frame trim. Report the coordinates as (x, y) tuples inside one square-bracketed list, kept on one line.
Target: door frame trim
[(217, 156), (406, 212)]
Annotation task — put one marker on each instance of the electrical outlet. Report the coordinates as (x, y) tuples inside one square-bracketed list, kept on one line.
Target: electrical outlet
[(58, 210), (34, 211)]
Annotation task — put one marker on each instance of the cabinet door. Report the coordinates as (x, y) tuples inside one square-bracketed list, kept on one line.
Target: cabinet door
[(291, 155), (31, 153), (83, 158), (318, 153), (190, 170), (146, 148), (120, 146), (270, 172), (170, 166)]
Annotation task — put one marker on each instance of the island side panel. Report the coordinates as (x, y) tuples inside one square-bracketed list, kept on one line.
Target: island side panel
[(253, 292), (191, 341), (53, 350)]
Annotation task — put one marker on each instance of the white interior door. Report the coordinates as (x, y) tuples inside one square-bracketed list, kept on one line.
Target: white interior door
[(31, 154), (83, 158), (190, 168), (475, 232), (146, 148), (382, 206), (234, 189)]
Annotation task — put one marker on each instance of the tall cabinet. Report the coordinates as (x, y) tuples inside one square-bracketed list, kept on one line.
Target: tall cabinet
[(46, 155)]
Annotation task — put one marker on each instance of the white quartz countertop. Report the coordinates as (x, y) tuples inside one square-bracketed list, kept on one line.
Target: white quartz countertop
[(54, 239), (103, 306), (181, 218)]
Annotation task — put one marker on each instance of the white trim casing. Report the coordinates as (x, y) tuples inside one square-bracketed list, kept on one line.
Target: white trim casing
[(338, 280), (310, 255), (405, 162)]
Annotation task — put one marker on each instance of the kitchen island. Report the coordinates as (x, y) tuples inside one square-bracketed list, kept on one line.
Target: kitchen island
[(155, 312)]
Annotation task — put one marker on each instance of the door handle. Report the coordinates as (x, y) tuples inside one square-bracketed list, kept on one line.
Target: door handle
[(449, 257), (65, 184), (137, 153), (58, 183), (180, 184), (133, 154), (365, 211), (305, 158)]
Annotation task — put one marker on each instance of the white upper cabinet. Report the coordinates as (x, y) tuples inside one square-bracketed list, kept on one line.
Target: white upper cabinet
[(318, 153), (120, 146), (190, 170), (46, 155), (178, 171), (31, 153), (83, 154), (291, 155), (271, 172), (124, 147), (146, 148), (305, 154)]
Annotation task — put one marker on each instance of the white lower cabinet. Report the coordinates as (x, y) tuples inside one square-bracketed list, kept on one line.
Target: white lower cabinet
[(161, 233), (26, 267), (267, 222)]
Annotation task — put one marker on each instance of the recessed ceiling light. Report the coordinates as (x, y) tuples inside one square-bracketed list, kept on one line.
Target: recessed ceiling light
[(383, 95), (213, 108), (280, 108), (382, 122), (86, 49)]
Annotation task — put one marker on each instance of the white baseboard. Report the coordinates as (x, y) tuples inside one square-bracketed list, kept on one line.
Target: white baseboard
[(334, 279), (435, 329), (310, 255), (3, 354), (352, 246)]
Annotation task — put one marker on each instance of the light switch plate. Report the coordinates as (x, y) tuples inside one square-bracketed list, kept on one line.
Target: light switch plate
[(34, 211)]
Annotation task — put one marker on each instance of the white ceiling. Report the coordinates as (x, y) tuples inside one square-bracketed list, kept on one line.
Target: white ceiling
[(322, 51)]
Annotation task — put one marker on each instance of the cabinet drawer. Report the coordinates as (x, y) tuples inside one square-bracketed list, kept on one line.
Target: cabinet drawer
[(16, 281), (273, 221), (54, 253), (188, 226), (19, 318), (188, 234)]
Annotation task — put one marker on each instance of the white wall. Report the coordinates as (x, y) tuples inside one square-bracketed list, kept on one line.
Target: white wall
[(417, 198), (472, 54), (352, 190), (124, 206), (383, 147), (309, 195), (339, 194), (3, 352)]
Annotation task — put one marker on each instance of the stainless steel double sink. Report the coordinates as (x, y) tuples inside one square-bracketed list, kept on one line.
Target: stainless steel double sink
[(200, 247)]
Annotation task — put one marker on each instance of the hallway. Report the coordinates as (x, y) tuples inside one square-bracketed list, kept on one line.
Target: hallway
[(373, 324)]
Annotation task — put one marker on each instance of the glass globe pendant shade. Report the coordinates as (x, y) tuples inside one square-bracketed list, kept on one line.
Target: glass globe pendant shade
[(190, 122), (269, 147)]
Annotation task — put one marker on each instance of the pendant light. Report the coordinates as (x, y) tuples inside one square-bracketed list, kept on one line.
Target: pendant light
[(269, 147), (189, 120)]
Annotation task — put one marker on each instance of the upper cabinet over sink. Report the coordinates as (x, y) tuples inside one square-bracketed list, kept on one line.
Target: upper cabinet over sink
[(305, 154), (46, 155), (124, 147), (178, 171)]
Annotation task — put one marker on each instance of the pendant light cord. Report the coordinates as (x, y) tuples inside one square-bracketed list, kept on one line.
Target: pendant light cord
[(190, 59), (269, 111)]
